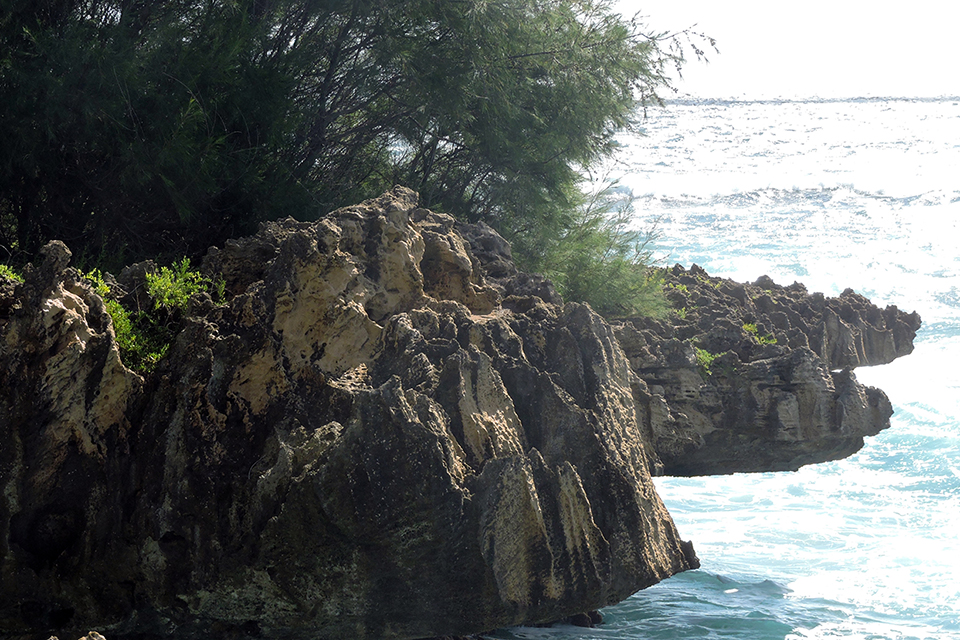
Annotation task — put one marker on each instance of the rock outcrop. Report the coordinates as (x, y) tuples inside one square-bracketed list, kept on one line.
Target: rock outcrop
[(388, 432), (759, 377)]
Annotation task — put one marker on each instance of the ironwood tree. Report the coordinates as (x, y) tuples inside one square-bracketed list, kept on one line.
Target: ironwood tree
[(145, 128)]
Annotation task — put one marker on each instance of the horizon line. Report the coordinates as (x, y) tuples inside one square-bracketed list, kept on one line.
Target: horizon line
[(795, 99)]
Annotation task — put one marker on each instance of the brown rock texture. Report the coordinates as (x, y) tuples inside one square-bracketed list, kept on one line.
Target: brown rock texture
[(368, 441), (780, 392), (390, 432)]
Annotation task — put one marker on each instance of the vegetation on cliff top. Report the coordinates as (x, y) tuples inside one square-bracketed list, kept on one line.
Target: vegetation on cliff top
[(133, 129)]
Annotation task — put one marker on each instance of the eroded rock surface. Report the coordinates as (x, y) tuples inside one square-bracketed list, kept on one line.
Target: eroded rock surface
[(370, 440), (759, 377), (391, 432)]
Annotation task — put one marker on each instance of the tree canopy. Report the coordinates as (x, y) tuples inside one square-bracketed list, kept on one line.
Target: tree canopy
[(143, 128)]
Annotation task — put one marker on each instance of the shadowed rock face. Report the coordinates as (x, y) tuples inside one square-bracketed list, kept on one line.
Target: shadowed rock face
[(367, 441), (390, 432), (780, 393)]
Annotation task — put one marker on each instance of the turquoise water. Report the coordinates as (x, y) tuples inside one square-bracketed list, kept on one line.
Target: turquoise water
[(862, 194)]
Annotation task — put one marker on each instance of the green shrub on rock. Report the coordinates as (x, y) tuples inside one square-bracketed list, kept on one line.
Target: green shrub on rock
[(144, 335), (704, 360), (9, 273), (172, 287)]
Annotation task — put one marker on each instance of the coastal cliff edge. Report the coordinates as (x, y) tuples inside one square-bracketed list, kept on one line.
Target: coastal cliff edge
[(389, 431)]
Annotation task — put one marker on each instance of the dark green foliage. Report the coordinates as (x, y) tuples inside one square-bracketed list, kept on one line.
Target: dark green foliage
[(133, 128), (138, 127)]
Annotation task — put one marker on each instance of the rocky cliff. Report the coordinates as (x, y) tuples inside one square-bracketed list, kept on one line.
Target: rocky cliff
[(759, 377), (389, 431)]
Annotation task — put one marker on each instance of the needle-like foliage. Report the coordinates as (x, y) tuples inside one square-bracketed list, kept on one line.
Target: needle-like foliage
[(134, 128)]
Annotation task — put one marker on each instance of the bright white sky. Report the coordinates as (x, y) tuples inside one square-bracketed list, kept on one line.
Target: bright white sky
[(808, 48)]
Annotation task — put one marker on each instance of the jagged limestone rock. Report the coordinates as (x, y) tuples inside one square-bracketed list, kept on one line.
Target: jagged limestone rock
[(780, 393), (363, 443), (387, 432)]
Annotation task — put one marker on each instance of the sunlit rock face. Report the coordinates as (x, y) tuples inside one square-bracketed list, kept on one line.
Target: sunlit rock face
[(389, 431), (758, 377), (371, 439)]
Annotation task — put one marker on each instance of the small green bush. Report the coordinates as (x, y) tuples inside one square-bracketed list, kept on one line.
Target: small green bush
[(140, 348), (172, 287), (145, 336), (95, 276), (9, 274), (754, 332), (704, 361)]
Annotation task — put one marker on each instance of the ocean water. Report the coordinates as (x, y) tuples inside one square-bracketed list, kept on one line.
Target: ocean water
[(844, 193)]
